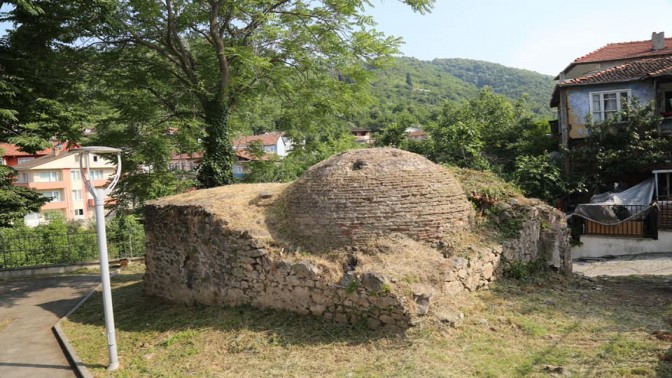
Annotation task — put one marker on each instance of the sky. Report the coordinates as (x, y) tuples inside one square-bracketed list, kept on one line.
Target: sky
[(538, 35)]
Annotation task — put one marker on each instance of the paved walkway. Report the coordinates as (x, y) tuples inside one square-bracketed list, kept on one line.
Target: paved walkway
[(645, 264), (28, 309)]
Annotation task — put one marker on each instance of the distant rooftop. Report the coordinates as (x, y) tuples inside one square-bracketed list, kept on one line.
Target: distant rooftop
[(625, 50), (631, 71)]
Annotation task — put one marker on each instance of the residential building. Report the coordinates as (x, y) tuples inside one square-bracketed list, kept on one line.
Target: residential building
[(415, 134), (273, 143), (187, 162), (58, 177), (11, 155), (362, 136), (595, 86)]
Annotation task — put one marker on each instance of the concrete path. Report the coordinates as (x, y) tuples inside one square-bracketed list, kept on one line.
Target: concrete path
[(645, 264), (28, 309)]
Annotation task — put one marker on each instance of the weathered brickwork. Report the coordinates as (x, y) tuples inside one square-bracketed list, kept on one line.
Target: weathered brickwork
[(357, 196), (197, 252)]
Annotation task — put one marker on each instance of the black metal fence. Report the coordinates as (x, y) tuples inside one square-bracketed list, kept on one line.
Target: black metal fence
[(23, 250)]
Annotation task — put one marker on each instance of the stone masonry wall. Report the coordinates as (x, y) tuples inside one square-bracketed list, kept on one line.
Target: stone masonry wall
[(194, 257)]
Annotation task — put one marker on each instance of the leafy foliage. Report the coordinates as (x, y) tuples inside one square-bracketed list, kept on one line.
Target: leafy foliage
[(615, 148), (16, 201), (539, 176)]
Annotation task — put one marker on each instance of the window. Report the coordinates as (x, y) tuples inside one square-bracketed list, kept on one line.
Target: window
[(77, 194), (74, 175), (95, 158), (48, 176), (79, 212), (25, 177), (604, 105), (96, 174), (54, 195), (24, 159)]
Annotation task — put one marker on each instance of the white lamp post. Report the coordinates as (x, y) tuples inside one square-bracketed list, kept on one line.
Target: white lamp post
[(99, 195)]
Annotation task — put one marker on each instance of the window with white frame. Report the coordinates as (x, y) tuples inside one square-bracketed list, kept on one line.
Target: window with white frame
[(96, 174), (52, 176), (25, 177), (79, 212), (74, 175), (54, 195), (77, 194), (607, 104), (24, 159)]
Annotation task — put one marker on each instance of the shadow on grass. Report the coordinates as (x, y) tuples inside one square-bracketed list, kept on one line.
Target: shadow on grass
[(136, 312), (617, 307)]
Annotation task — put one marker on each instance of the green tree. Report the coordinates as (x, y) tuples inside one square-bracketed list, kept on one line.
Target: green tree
[(16, 201), (539, 177), (40, 71), (625, 144), (221, 52)]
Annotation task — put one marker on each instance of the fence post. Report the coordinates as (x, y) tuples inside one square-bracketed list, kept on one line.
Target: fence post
[(654, 222)]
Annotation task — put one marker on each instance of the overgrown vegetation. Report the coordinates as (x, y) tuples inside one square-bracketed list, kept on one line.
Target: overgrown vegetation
[(604, 327), (16, 201), (628, 143), (59, 242)]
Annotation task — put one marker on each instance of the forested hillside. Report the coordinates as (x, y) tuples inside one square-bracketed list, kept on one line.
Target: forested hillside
[(420, 86)]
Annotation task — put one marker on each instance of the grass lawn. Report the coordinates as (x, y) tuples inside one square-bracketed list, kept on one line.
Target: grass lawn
[(546, 326)]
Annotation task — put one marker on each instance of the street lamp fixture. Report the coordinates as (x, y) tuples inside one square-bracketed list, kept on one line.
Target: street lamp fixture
[(99, 195)]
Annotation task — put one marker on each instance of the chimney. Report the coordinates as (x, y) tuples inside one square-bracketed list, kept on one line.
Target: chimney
[(657, 41)]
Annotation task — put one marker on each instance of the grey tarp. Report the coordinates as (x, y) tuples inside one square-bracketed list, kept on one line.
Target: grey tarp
[(608, 208)]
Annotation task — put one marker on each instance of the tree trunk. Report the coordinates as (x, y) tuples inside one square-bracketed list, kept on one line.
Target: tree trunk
[(217, 162)]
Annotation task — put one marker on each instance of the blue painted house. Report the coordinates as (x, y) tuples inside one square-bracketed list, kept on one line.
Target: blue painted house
[(596, 86)]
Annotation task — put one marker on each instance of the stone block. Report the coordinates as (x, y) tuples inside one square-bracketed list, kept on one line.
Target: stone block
[(304, 269), (373, 282)]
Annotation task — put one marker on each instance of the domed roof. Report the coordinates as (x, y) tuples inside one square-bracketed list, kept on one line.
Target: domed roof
[(361, 195)]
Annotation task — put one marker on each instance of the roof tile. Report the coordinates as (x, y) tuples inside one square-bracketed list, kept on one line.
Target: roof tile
[(631, 71), (625, 50)]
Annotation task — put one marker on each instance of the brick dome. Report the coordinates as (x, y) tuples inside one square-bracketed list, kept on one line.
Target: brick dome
[(360, 195)]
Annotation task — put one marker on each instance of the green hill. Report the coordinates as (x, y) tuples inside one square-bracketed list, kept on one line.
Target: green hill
[(420, 87), (511, 82)]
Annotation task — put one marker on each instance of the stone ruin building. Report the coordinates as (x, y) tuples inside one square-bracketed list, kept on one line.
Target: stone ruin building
[(369, 236)]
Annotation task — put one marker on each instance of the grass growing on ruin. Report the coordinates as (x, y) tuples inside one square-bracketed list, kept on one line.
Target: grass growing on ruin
[(607, 327)]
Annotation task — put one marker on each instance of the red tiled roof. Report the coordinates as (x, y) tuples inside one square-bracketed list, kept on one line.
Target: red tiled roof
[(417, 133), (625, 50), (267, 139), (632, 71), (13, 150), (247, 155)]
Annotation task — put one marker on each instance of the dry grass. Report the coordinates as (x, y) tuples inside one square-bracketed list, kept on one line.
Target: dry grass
[(240, 206), (588, 328), (4, 323)]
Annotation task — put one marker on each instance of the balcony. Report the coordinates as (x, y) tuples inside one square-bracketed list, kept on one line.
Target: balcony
[(666, 126)]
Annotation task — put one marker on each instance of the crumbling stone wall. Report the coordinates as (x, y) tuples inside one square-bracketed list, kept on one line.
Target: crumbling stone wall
[(217, 246), (357, 196), (195, 257)]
